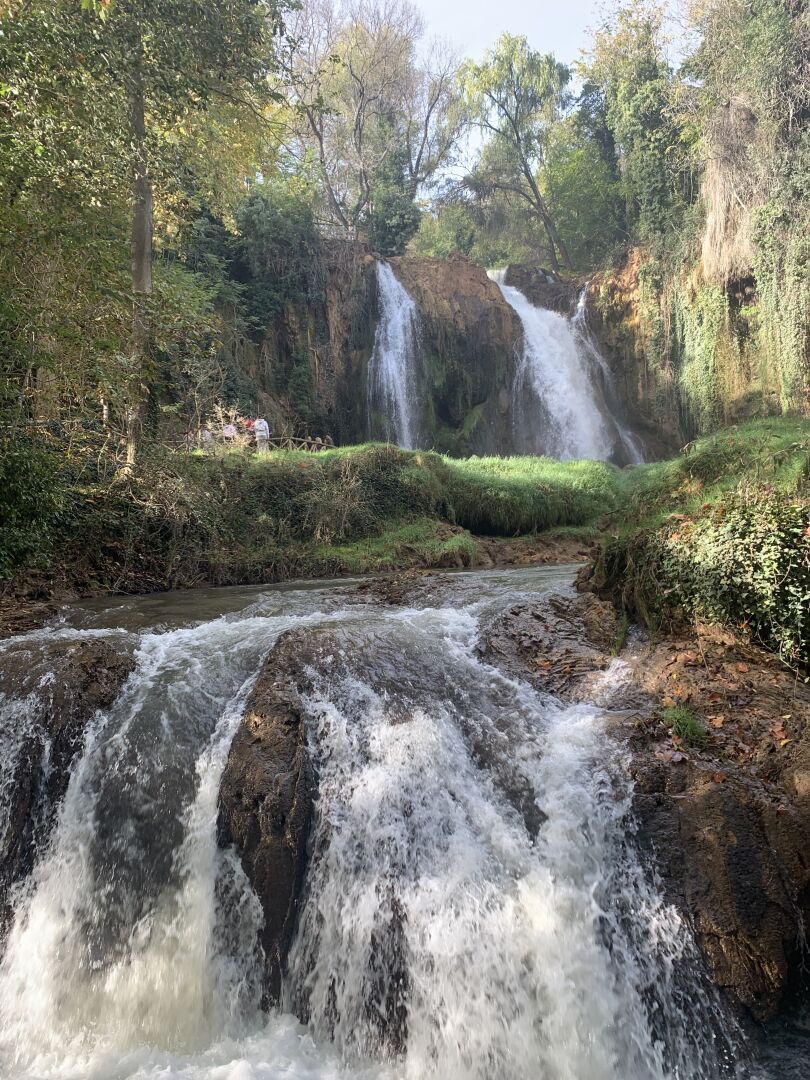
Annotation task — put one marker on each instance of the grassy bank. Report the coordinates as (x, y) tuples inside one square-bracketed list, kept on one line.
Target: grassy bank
[(185, 519), (720, 533)]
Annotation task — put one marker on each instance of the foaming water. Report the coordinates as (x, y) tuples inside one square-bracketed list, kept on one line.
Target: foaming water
[(474, 907), (563, 403), (392, 379), (465, 931)]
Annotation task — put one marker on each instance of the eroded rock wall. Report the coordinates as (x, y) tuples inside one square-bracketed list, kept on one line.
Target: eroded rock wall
[(469, 336)]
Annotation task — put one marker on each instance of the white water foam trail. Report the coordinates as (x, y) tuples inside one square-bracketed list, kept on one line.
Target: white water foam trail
[(557, 403), (493, 938), (392, 393), (632, 444), (439, 927), (118, 959)]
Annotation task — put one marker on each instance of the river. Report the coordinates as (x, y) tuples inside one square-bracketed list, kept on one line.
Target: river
[(474, 905)]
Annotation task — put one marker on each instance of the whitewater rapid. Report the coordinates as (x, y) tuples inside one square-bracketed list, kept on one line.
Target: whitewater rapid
[(475, 909)]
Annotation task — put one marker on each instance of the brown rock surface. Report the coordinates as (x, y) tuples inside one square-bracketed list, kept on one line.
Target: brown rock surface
[(728, 819), (265, 803), (544, 289), (61, 686), (562, 640)]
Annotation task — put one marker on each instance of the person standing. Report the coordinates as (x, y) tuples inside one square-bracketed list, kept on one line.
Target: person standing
[(261, 431)]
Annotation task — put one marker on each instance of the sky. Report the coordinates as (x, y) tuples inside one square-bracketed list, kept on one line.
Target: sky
[(558, 26)]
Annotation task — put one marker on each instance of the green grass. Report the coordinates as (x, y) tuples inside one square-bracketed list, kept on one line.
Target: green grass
[(772, 454), (686, 724), (721, 532)]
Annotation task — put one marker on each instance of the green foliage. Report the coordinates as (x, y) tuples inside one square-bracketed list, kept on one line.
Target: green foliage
[(585, 193), (685, 723), (280, 247), (394, 216), (510, 496), (722, 533), (515, 94), (31, 499), (629, 65)]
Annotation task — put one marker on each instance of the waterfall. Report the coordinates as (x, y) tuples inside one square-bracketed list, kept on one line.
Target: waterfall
[(475, 907), (392, 391), (562, 391)]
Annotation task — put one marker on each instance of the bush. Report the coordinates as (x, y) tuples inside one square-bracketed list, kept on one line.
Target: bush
[(745, 562), (31, 499)]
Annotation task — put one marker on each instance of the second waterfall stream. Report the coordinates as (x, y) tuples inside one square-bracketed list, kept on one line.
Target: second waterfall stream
[(562, 397), (474, 906)]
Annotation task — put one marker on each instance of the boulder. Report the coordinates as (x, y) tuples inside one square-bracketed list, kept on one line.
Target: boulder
[(265, 804), (736, 863), (561, 641)]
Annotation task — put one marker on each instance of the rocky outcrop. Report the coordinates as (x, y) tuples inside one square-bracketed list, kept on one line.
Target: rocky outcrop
[(468, 340), (562, 641), (736, 861), (58, 696), (726, 815), (543, 288), (311, 365), (265, 803)]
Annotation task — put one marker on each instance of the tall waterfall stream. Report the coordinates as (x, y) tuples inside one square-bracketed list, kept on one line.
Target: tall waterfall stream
[(516, 943), (392, 385), (563, 401)]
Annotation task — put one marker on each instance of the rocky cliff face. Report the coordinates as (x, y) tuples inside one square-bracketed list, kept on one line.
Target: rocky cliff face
[(469, 336), (311, 367)]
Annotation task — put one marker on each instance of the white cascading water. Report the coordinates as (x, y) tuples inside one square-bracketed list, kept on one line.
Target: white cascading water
[(475, 909), (558, 396), (392, 391)]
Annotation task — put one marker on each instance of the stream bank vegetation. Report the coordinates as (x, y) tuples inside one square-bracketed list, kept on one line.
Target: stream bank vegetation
[(719, 533)]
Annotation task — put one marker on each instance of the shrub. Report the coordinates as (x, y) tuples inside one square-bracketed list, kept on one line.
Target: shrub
[(745, 562), (31, 499)]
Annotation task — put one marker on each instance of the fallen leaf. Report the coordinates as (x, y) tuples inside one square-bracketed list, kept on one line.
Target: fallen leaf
[(742, 667), (668, 703), (719, 777), (717, 721)]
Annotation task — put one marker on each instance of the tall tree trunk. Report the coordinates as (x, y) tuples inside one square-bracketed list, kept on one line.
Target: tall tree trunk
[(141, 245)]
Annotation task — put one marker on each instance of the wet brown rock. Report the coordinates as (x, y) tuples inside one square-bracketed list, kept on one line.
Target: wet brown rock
[(265, 803), (735, 863), (543, 288), (728, 821), (468, 338), (62, 686), (561, 641)]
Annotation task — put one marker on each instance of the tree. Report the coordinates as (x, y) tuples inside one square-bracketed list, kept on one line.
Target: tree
[(515, 94), (370, 110), (629, 65), (101, 108), (169, 58)]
